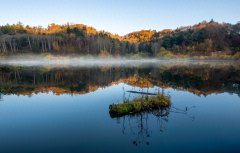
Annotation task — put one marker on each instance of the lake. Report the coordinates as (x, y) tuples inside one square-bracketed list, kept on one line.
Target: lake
[(64, 108)]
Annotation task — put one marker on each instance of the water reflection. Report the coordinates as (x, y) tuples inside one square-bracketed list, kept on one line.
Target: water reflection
[(201, 79), (137, 126), (53, 109)]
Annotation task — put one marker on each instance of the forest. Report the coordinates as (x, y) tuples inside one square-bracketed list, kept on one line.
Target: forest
[(204, 38)]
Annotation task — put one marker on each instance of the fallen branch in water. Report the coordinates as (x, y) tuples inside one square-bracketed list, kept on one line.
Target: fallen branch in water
[(142, 93)]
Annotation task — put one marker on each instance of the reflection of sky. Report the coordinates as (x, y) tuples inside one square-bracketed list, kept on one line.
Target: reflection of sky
[(48, 122)]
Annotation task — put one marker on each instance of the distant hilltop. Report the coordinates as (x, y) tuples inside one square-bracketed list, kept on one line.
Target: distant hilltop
[(205, 38)]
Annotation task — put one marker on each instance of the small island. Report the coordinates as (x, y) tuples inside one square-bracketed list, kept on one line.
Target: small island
[(139, 105)]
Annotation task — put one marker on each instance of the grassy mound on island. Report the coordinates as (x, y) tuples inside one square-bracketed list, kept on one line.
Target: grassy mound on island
[(139, 105)]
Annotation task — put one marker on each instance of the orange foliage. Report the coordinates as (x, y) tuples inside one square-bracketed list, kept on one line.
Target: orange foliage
[(140, 36)]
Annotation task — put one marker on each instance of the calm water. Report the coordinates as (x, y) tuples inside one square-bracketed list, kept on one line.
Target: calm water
[(66, 109)]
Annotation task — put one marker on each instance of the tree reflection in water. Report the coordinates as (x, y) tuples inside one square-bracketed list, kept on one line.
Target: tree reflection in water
[(138, 124), (200, 79), (1, 97)]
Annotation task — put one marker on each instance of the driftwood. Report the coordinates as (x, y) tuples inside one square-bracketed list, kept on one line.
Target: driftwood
[(142, 93)]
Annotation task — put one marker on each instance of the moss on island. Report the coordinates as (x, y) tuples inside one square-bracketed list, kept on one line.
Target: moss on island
[(139, 105)]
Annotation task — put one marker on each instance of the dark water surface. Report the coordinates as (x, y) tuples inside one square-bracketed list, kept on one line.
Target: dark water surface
[(66, 109)]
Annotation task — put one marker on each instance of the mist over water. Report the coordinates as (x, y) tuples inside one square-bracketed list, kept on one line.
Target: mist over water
[(90, 61)]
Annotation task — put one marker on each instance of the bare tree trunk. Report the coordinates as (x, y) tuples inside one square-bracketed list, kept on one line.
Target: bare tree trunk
[(49, 44), (10, 44), (4, 46), (1, 48), (111, 50), (45, 45), (14, 46), (34, 78), (29, 42), (42, 45)]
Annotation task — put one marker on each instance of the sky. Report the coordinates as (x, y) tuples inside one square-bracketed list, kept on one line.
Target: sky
[(119, 16)]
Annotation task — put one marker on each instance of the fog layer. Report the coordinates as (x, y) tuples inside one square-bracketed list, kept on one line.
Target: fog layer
[(86, 61)]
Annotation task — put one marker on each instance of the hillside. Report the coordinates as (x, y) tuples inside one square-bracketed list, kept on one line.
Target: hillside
[(205, 38)]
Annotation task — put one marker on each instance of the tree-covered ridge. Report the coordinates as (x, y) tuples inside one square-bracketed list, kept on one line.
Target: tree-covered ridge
[(200, 39)]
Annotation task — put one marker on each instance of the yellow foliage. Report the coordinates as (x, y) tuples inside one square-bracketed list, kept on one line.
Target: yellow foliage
[(104, 53), (56, 46), (140, 36)]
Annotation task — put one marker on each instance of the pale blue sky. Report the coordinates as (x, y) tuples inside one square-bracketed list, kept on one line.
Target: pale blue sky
[(119, 16)]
